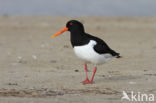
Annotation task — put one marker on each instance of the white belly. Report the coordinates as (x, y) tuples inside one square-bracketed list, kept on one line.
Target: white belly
[(87, 53)]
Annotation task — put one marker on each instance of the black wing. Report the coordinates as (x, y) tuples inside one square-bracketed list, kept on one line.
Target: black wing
[(101, 47)]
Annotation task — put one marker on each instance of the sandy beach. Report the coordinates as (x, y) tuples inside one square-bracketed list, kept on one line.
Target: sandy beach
[(35, 68)]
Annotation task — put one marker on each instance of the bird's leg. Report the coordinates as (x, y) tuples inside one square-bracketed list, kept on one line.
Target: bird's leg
[(94, 71), (86, 69), (86, 80), (90, 81)]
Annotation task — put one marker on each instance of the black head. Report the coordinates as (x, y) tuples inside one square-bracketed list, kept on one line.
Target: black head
[(75, 26)]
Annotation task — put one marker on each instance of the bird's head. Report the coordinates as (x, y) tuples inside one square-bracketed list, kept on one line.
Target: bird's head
[(72, 26)]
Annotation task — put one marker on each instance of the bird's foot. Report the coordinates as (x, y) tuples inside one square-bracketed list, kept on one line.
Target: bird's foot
[(87, 81)]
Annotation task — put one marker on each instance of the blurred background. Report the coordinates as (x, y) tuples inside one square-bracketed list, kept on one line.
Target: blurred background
[(78, 7), (35, 68)]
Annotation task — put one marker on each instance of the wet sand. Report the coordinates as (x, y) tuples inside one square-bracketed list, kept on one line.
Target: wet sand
[(38, 69)]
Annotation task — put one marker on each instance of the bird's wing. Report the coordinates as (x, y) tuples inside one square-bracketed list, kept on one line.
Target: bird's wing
[(101, 47)]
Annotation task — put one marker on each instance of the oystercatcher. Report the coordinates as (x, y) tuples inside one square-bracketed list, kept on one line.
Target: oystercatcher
[(87, 47)]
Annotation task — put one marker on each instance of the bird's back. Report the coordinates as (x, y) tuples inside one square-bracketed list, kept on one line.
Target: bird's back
[(101, 47)]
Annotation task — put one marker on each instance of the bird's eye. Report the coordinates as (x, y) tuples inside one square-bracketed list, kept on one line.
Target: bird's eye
[(70, 23)]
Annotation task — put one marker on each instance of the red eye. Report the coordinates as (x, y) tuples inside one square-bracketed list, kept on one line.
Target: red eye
[(70, 23)]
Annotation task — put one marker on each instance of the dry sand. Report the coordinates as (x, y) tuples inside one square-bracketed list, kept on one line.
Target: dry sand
[(35, 68)]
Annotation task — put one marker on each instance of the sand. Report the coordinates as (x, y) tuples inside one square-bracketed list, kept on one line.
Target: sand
[(35, 68)]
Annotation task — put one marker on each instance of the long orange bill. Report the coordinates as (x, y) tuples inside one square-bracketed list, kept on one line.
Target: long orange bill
[(60, 32)]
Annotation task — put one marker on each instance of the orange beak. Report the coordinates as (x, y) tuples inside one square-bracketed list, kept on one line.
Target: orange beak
[(60, 32)]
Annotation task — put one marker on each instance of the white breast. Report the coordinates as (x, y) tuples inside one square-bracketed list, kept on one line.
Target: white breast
[(87, 53)]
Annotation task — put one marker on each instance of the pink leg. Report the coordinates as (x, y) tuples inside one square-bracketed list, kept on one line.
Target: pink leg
[(86, 80), (94, 71), (91, 81)]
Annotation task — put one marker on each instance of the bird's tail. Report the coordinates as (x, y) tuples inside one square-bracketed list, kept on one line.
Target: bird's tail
[(117, 55)]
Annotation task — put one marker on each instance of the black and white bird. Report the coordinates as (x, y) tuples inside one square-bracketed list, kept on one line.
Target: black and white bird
[(87, 47)]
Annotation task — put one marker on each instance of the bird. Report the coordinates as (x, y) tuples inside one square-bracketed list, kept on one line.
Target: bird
[(89, 48)]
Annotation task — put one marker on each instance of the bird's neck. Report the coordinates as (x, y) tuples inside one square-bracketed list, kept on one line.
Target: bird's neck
[(76, 37)]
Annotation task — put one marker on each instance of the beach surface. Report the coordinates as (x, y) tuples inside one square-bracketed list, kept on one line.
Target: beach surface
[(35, 68)]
